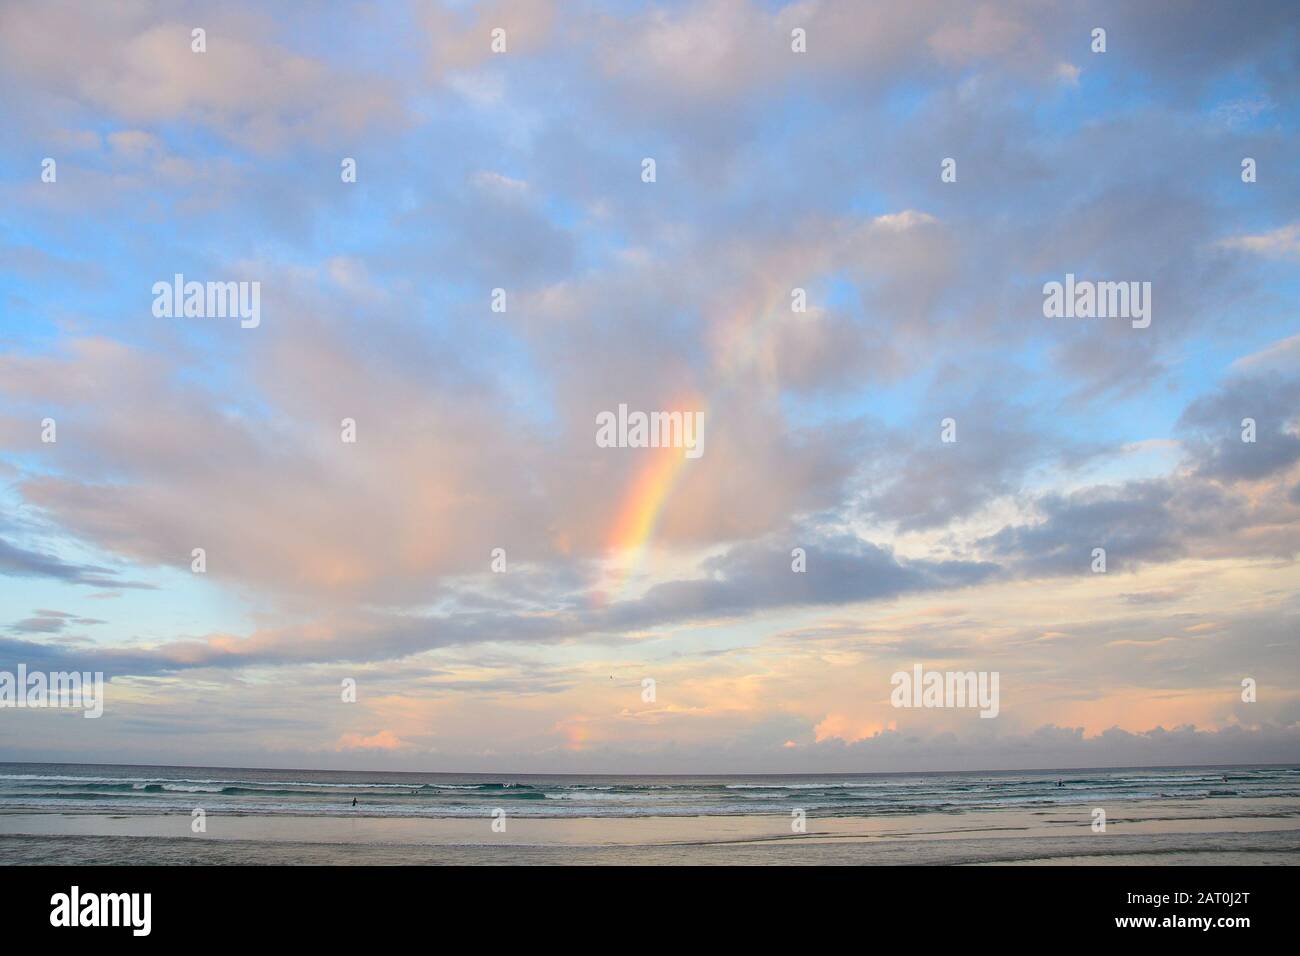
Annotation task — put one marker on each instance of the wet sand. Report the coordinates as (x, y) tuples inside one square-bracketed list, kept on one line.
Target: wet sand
[(1265, 825)]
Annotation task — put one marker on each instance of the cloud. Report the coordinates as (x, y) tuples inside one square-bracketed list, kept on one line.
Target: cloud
[(383, 740), (20, 562), (461, 40), (1280, 243), (1051, 747), (1216, 422), (1280, 355), (919, 481), (50, 622), (753, 577), (136, 64), (777, 171)]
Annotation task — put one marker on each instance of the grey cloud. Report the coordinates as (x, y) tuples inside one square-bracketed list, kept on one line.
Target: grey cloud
[(39, 625), (45, 621), (757, 576), (1052, 747), (1134, 523), (1214, 425), (760, 750), (747, 579), (917, 480), (496, 234), (1151, 597), (20, 562)]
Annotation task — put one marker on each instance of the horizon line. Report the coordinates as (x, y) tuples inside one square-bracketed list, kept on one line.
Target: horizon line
[(597, 773)]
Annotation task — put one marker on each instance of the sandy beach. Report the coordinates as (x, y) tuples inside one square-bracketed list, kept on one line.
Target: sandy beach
[(1229, 830)]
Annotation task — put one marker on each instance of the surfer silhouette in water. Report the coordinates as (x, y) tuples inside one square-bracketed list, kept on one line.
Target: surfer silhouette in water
[(354, 801)]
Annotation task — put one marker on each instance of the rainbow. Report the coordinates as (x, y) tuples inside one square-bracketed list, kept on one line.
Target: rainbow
[(638, 517), (740, 344)]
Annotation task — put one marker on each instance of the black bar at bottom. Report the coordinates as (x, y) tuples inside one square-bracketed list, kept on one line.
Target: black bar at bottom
[(330, 905)]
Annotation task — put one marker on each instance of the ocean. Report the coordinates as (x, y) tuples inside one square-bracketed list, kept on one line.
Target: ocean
[(106, 813), (131, 789)]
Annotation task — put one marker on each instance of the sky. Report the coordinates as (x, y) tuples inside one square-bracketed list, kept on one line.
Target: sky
[(645, 611)]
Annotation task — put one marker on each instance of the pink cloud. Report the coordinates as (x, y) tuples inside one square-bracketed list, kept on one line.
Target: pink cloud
[(384, 740)]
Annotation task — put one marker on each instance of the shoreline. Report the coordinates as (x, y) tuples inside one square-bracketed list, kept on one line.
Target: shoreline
[(1144, 818)]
